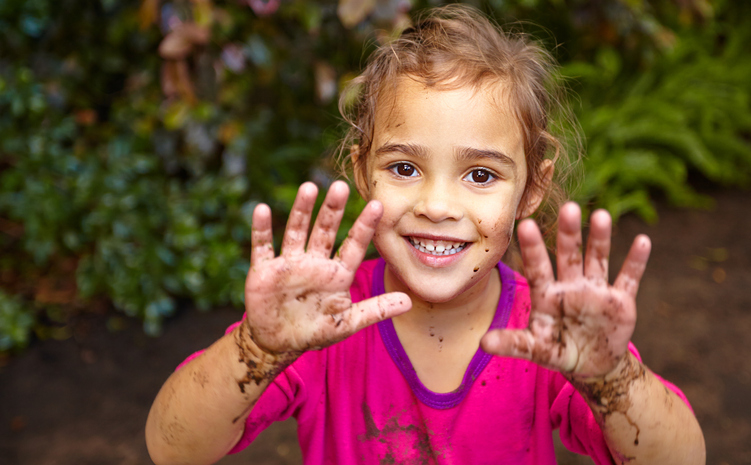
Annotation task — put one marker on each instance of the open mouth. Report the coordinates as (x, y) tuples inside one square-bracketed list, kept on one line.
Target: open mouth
[(437, 247)]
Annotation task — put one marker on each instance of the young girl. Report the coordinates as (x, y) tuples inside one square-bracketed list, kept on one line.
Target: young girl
[(451, 147)]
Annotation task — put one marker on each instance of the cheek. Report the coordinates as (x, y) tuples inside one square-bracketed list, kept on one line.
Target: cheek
[(499, 230), (504, 231)]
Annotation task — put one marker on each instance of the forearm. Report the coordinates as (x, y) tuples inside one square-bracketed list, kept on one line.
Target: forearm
[(199, 414), (643, 421)]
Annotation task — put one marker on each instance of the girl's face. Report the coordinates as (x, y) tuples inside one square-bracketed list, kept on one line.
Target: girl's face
[(449, 168)]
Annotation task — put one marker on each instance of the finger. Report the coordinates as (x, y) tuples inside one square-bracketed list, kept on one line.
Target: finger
[(323, 236), (537, 267), (517, 343), (373, 310), (633, 268), (356, 244), (522, 344), (569, 243), (598, 246), (296, 233), (261, 237)]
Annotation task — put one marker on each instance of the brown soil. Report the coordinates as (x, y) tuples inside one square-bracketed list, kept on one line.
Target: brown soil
[(84, 400)]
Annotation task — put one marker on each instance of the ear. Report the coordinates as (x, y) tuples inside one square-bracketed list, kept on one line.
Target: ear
[(360, 172), (533, 197)]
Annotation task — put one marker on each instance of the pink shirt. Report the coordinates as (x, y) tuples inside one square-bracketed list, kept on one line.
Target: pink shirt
[(360, 401)]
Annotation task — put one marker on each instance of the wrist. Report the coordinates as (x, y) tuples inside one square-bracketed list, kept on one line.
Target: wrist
[(610, 392), (261, 365)]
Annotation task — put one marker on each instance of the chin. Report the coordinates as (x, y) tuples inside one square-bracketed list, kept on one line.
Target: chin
[(436, 291)]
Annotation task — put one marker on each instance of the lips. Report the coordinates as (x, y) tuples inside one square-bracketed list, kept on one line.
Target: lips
[(437, 247)]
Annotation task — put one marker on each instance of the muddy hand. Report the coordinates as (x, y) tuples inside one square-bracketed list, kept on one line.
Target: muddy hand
[(300, 300), (579, 324)]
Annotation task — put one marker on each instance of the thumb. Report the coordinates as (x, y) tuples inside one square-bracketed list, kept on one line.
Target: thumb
[(521, 343), (375, 309), (517, 343)]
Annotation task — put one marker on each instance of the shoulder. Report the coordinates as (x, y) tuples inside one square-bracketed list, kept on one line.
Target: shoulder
[(362, 285), (518, 287)]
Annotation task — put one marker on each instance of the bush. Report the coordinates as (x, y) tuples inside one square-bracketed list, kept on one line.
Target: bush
[(15, 323), (152, 196), (137, 137), (646, 131)]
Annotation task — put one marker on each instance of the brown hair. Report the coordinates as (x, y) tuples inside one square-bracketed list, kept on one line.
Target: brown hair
[(454, 46)]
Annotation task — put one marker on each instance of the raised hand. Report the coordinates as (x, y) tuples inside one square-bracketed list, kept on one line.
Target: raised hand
[(579, 324), (300, 299)]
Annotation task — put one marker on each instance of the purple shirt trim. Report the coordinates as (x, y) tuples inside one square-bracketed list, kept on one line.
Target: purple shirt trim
[(476, 365)]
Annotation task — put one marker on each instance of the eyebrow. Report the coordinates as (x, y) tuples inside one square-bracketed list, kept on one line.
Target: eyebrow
[(464, 153), (407, 149), (469, 153)]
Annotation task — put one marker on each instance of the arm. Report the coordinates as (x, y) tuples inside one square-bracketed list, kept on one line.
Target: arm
[(295, 302), (580, 325)]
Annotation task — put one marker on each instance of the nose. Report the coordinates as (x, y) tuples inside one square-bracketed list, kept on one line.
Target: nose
[(438, 202)]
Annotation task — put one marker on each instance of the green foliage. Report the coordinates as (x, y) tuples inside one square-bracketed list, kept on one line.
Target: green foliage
[(647, 130), (15, 323), (153, 197), (143, 170)]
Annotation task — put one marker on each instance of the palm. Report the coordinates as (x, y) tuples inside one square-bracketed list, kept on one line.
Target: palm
[(579, 324), (300, 300)]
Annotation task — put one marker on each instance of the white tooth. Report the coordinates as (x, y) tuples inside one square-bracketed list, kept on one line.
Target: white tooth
[(430, 247), (440, 248)]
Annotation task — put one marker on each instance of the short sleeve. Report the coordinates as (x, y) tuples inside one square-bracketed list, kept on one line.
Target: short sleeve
[(281, 400)]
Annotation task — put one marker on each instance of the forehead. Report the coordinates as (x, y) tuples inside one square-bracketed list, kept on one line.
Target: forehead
[(448, 116)]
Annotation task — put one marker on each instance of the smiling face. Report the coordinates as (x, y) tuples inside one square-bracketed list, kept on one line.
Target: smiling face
[(449, 168)]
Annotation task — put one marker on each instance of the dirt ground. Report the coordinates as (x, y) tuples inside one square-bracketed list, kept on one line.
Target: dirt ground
[(84, 400)]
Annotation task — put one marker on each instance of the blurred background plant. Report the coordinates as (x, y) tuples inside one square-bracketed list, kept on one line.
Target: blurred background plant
[(136, 137)]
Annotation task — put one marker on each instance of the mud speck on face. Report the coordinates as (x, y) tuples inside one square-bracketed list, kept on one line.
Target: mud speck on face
[(477, 268)]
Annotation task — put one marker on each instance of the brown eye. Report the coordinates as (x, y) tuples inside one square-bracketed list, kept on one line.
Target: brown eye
[(480, 176), (404, 169)]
